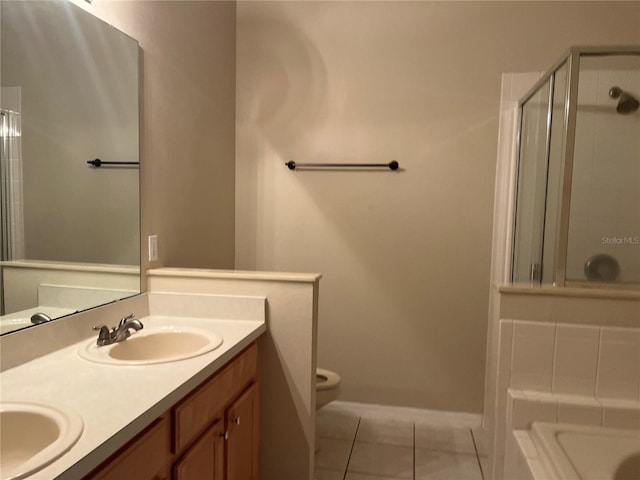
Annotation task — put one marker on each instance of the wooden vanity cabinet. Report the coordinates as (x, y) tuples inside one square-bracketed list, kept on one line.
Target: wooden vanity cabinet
[(241, 420), (227, 405), (212, 434), (228, 450), (205, 459), (144, 458)]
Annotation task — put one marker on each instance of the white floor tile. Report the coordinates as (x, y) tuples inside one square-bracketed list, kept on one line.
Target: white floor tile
[(385, 448), (323, 474), (383, 460), (482, 440), (433, 465), (485, 463), (333, 454), (336, 425), (453, 440), (389, 432), (364, 476)]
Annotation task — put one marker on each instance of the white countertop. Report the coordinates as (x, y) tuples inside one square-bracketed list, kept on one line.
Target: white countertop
[(116, 401)]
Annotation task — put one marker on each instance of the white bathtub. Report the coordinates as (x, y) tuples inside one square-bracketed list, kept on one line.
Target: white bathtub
[(579, 452)]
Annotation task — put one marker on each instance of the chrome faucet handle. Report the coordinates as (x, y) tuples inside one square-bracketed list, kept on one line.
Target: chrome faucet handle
[(104, 335), (123, 320), (129, 322)]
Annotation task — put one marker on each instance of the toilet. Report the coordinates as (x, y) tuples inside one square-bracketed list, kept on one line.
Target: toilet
[(327, 387), (327, 390)]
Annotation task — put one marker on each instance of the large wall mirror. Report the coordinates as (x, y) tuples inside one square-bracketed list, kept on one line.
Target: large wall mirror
[(69, 95)]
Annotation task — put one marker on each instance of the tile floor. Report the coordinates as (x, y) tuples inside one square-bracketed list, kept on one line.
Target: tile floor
[(363, 448)]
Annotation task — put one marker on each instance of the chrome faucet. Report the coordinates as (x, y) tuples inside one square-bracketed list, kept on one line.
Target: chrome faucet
[(40, 317), (119, 333)]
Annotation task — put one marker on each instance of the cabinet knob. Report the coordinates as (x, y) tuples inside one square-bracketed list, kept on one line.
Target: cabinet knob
[(236, 420), (225, 435)]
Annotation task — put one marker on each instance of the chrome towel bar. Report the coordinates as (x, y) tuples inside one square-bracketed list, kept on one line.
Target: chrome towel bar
[(393, 165), (97, 163)]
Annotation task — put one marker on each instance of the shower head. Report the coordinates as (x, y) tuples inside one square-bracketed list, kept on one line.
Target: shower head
[(627, 103)]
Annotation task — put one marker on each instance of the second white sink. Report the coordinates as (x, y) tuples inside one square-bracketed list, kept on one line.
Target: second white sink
[(153, 345), (33, 435)]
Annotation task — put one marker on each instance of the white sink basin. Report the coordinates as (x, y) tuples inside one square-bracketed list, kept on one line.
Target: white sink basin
[(153, 345), (33, 435)]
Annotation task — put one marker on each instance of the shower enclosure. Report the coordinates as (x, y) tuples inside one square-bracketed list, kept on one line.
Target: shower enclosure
[(577, 216), (11, 215)]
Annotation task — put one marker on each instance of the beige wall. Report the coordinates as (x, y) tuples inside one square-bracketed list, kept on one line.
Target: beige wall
[(187, 125), (404, 256)]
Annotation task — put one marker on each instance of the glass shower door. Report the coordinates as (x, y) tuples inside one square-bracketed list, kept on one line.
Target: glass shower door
[(604, 222), (4, 191), (531, 190), (11, 212), (557, 146), (577, 216)]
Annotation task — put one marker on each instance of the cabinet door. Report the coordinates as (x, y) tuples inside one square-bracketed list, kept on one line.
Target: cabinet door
[(243, 431), (205, 459), (207, 403), (145, 458)]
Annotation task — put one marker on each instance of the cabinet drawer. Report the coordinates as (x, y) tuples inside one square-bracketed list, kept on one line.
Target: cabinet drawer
[(144, 458), (195, 413)]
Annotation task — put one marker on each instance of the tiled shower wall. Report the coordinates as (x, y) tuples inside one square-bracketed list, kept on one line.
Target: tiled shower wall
[(605, 199), (602, 362), (559, 372)]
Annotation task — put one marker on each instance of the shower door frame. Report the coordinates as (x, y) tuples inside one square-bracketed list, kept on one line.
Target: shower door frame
[(572, 59), (11, 210), (535, 269)]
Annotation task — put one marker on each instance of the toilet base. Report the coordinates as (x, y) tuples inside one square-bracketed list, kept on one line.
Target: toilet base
[(327, 387), (327, 390), (325, 396)]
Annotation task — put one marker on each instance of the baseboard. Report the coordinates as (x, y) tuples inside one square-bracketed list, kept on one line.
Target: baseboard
[(407, 414)]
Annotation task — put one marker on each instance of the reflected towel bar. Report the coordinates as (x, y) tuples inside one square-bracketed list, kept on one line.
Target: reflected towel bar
[(393, 165), (97, 163)]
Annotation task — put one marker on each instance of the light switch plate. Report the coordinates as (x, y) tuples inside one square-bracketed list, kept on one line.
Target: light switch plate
[(153, 248)]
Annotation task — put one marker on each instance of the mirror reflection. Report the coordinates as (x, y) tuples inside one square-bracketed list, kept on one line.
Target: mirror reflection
[(70, 230)]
